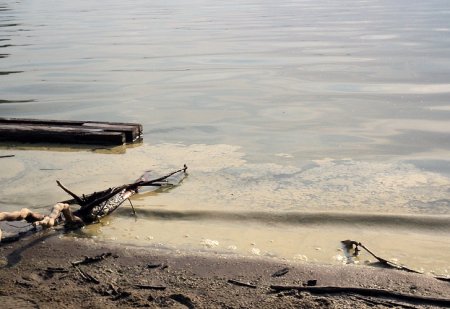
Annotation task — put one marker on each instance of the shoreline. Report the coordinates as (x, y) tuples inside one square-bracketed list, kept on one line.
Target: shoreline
[(37, 273)]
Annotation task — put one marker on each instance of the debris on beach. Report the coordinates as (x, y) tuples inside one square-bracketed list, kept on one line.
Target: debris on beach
[(93, 206), (281, 272), (364, 292), (352, 249), (243, 284)]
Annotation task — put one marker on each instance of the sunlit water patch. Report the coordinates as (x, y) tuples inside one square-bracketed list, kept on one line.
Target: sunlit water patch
[(229, 205)]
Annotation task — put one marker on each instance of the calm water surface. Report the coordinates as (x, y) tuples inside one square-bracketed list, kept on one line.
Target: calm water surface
[(303, 122)]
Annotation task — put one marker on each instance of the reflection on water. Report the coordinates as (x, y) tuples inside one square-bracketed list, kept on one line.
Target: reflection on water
[(275, 106), (303, 78)]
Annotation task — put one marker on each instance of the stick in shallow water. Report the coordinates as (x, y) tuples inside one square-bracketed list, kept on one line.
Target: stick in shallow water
[(7, 156), (92, 206), (352, 245), (348, 245)]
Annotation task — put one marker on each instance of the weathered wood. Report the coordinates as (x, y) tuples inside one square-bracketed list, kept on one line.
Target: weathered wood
[(373, 292), (131, 131), (89, 260), (150, 287), (65, 135), (86, 276), (92, 206), (244, 284), (281, 272)]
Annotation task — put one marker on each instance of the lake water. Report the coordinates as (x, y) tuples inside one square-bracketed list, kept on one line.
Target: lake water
[(303, 123)]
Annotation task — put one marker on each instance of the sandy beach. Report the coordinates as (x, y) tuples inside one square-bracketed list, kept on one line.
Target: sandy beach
[(39, 272)]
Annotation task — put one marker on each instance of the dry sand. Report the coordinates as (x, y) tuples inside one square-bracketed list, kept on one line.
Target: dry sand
[(36, 272)]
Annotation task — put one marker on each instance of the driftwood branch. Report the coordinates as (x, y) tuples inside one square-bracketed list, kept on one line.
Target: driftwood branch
[(58, 209), (23, 214), (433, 301), (97, 198), (92, 206)]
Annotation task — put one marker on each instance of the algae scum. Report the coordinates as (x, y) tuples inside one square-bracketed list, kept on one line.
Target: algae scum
[(303, 123), (227, 205)]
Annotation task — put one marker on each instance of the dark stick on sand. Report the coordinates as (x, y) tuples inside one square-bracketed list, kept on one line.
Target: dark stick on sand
[(365, 292)]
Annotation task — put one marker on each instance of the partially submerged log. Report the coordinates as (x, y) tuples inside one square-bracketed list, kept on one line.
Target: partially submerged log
[(67, 131), (93, 206)]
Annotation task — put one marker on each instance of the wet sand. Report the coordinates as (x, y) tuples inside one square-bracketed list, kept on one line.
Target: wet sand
[(37, 273)]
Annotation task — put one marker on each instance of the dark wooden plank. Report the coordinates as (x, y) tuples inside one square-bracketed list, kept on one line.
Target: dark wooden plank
[(40, 121), (132, 131), (65, 135)]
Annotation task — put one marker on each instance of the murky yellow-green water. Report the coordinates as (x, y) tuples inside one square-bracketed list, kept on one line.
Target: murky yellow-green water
[(303, 123), (229, 205)]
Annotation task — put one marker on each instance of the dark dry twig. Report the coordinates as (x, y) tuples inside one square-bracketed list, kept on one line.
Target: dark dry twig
[(150, 287), (244, 284), (280, 272), (50, 169), (151, 266), (385, 303), (89, 260), (56, 270), (78, 199), (134, 211), (365, 292), (87, 277)]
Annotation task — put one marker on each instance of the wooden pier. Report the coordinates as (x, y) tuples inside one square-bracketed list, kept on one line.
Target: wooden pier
[(68, 132)]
